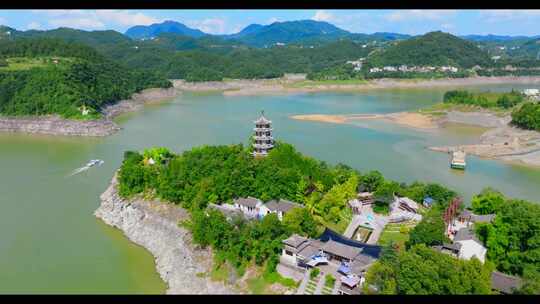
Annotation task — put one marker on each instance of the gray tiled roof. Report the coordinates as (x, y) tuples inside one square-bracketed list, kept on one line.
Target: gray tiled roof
[(361, 262), (466, 234), (488, 218), (295, 240), (282, 205), (341, 250), (504, 283), (247, 201)]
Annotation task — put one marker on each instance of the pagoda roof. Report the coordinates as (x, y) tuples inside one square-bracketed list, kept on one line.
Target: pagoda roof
[(263, 120)]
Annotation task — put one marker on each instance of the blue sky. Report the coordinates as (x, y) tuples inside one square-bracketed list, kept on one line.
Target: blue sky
[(460, 22)]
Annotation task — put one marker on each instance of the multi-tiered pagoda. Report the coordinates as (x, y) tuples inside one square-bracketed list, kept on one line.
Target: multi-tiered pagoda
[(263, 140)]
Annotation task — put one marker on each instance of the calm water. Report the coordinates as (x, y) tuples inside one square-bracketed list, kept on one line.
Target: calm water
[(51, 243)]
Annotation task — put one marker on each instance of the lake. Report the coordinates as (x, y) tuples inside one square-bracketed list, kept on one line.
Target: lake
[(50, 242)]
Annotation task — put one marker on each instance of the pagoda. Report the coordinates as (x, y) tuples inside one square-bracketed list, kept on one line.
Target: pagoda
[(263, 140)]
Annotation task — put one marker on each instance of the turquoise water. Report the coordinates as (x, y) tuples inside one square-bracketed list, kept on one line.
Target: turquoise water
[(51, 243)]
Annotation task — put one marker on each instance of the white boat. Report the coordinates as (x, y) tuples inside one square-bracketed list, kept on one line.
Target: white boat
[(95, 162), (458, 160)]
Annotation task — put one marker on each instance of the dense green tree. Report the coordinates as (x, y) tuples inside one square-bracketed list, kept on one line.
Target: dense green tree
[(422, 270), (487, 202), (300, 221), (430, 231), (372, 180), (513, 239), (527, 116)]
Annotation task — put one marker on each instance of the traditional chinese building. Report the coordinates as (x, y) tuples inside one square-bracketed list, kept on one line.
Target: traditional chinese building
[(263, 140)]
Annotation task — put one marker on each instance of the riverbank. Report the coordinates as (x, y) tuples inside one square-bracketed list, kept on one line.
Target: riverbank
[(408, 119), (154, 226), (55, 125), (288, 86), (501, 141)]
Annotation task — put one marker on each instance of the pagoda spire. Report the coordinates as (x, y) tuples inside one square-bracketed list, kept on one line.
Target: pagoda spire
[(263, 140)]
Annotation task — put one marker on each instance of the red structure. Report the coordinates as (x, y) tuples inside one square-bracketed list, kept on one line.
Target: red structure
[(452, 210)]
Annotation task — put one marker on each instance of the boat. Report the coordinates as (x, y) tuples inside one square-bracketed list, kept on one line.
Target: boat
[(458, 160), (95, 162)]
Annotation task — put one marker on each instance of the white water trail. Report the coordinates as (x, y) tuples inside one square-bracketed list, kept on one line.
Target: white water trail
[(79, 170)]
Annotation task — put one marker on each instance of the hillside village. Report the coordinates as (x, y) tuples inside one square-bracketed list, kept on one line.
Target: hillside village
[(337, 263)]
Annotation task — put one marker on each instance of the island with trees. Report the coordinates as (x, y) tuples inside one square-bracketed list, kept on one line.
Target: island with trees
[(203, 177)]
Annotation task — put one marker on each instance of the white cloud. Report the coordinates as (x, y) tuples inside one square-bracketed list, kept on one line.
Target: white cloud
[(79, 23), (448, 26), (210, 25), (419, 15), (2, 21), (322, 15), (95, 19), (125, 17), (505, 15), (273, 19), (33, 26)]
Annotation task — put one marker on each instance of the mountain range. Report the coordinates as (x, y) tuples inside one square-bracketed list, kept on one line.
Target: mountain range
[(177, 36)]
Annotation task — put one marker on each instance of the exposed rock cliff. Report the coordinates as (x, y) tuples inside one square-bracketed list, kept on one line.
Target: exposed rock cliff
[(54, 125), (154, 225)]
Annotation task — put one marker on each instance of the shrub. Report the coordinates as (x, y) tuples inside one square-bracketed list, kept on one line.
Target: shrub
[(314, 273)]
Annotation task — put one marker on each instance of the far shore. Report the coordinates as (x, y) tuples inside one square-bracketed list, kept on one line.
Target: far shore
[(55, 125), (246, 87), (501, 141)]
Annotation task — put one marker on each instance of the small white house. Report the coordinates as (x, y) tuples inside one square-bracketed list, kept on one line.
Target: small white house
[(249, 206), (469, 245), (390, 69), (280, 208)]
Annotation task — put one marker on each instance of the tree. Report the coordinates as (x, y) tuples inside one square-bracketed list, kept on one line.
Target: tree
[(430, 231), (385, 192), (487, 202), (372, 180), (299, 220), (513, 238), (422, 270)]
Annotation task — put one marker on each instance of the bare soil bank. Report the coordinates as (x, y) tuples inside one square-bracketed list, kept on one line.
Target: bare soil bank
[(501, 141), (55, 125), (287, 86), (409, 119)]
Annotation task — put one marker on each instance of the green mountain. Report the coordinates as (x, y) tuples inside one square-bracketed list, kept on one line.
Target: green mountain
[(288, 32), (528, 50), (153, 30), (51, 76), (435, 49)]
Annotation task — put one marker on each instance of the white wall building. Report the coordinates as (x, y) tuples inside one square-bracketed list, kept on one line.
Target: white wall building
[(469, 245)]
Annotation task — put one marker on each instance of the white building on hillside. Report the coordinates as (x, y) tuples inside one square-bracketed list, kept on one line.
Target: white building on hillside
[(469, 245), (280, 208)]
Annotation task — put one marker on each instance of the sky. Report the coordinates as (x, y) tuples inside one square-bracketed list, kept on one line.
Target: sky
[(458, 22)]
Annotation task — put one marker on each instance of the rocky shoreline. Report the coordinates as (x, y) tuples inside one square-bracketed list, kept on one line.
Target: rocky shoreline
[(154, 226), (501, 141), (55, 125)]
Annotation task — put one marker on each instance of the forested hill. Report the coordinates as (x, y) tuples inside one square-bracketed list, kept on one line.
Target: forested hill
[(153, 30), (431, 49), (290, 32), (40, 76)]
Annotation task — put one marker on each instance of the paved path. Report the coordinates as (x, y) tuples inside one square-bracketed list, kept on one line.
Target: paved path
[(303, 285), (320, 284), (355, 222)]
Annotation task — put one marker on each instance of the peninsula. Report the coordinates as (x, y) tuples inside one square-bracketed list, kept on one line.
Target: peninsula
[(277, 221)]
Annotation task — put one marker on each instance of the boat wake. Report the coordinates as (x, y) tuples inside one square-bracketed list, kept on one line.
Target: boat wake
[(90, 164)]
